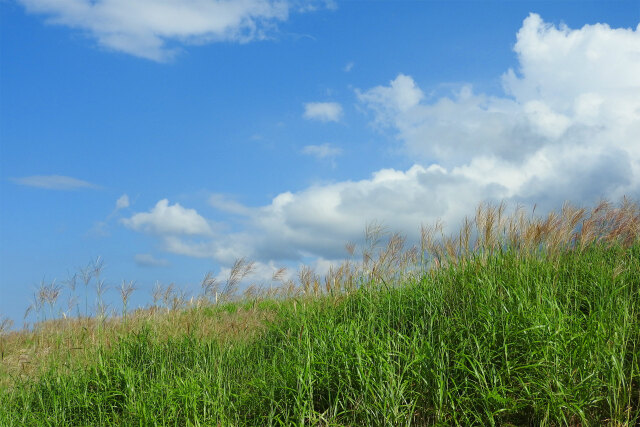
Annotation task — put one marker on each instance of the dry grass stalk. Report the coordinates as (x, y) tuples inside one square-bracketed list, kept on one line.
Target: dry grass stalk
[(309, 281), (126, 289), (279, 274), (5, 325), (240, 270), (210, 286)]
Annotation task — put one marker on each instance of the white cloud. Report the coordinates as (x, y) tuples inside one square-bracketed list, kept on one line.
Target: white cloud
[(53, 182), (319, 221), (348, 67), (322, 151), (544, 121), (323, 111), (152, 28), (122, 202), (401, 95), (165, 219), (558, 65), (148, 260), (540, 143), (566, 128)]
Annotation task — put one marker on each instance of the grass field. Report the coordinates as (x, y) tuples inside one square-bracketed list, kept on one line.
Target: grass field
[(516, 320)]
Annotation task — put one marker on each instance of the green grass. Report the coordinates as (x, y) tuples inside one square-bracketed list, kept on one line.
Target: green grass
[(498, 335)]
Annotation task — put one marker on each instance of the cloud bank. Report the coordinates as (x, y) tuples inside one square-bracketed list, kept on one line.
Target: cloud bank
[(566, 128), (154, 29)]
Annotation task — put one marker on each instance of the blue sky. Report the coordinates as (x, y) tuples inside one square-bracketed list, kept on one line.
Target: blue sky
[(172, 137)]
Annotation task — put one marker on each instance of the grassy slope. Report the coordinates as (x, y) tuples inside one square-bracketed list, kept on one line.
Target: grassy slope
[(504, 340), (505, 337)]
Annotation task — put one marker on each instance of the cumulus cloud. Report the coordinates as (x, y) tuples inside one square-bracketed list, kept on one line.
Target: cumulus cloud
[(153, 28), (165, 219), (321, 219), (541, 142), (148, 260), (400, 96), (566, 126), (53, 182), (322, 151), (323, 111), (560, 65), (318, 221)]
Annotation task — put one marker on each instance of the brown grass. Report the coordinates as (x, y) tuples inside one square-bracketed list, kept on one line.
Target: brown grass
[(73, 342)]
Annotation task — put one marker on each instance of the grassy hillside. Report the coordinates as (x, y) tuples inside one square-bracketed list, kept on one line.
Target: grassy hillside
[(517, 320)]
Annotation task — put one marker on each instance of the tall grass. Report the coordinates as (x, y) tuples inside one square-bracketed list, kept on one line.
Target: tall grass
[(515, 320)]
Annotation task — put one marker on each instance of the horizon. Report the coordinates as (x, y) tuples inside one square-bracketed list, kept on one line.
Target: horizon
[(171, 139)]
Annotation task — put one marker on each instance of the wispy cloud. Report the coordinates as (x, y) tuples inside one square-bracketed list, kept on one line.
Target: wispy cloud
[(54, 182), (323, 111), (122, 202), (152, 28), (322, 151), (348, 67), (101, 228), (148, 260), (225, 204)]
